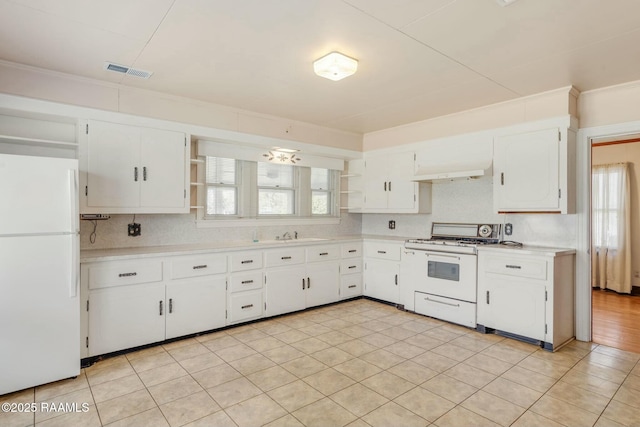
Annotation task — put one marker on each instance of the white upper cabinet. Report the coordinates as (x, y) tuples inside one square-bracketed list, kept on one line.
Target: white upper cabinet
[(534, 172), (389, 185), (132, 169)]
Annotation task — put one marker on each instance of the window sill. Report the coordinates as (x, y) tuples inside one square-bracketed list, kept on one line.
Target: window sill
[(253, 222)]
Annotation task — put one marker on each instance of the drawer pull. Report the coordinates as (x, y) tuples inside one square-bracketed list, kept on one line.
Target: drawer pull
[(518, 267), (324, 253), (442, 302), (247, 282), (198, 267), (382, 252), (160, 307), (247, 306), (285, 257), (352, 266), (352, 251), (352, 286), (303, 284), (127, 274), (308, 283), (246, 261)]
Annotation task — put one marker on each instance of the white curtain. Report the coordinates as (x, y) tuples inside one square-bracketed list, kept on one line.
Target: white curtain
[(611, 234)]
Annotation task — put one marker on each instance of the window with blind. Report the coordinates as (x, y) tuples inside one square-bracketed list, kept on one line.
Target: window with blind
[(247, 189), (222, 179)]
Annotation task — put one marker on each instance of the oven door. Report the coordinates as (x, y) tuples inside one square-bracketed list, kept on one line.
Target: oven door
[(451, 275)]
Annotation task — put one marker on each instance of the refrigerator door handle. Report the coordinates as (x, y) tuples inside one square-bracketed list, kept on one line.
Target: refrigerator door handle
[(73, 212)]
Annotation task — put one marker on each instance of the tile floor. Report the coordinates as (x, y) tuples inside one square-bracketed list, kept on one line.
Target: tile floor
[(358, 363)]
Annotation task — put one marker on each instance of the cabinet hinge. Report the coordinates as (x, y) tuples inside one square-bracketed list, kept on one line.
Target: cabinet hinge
[(546, 296), (87, 342), (265, 306), (226, 314), (545, 328), (502, 178), (226, 285), (185, 141), (559, 135), (87, 129), (86, 190), (185, 193), (414, 157), (559, 193)]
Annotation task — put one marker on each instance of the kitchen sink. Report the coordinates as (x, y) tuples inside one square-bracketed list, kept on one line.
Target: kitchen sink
[(301, 240)]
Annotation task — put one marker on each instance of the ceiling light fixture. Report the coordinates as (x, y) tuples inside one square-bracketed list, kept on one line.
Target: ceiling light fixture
[(335, 66), (276, 156), (504, 3)]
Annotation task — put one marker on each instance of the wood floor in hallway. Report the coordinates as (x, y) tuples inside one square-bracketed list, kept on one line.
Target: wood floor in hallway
[(616, 320)]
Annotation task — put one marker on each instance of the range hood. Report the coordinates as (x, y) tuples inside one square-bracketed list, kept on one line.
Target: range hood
[(449, 160), (450, 171)]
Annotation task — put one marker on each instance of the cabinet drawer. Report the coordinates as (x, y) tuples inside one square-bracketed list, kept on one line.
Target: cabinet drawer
[(383, 251), (350, 285), (451, 310), (323, 253), (245, 306), (246, 261), (194, 266), (124, 273), (530, 268), (351, 250), (348, 266), (287, 256), (246, 281)]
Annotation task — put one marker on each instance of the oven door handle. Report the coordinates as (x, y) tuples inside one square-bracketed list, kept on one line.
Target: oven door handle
[(431, 254)]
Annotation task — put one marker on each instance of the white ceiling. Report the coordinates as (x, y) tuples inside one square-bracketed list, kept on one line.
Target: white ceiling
[(418, 58)]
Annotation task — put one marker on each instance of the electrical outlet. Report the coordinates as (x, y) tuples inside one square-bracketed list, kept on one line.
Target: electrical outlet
[(508, 229), (392, 225), (134, 229)]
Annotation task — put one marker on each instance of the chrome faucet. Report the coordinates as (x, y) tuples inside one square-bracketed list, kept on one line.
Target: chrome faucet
[(286, 236)]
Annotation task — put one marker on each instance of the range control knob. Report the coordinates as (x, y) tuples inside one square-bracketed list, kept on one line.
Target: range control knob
[(485, 230)]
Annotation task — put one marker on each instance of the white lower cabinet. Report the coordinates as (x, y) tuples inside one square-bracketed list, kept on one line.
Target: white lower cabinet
[(245, 291), (527, 295), (382, 271), (285, 290), (323, 283), (244, 306), (125, 317), (195, 305), (413, 271)]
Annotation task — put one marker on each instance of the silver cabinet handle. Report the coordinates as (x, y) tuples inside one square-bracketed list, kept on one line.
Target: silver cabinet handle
[(135, 174), (128, 274), (247, 282), (502, 178), (144, 173), (396, 280), (352, 286), (352, 251), (487, 297), (324, 253), (517, 267), (352, 266), (285, 257), (246, 261), (247, 306), (442, 302), (382, 252), (385, 186), (308, 283), (303, 283), (199, 267), (170, 305), (160, 307), (389, 185)]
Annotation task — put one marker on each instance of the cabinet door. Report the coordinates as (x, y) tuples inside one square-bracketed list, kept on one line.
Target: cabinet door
[(381, 280), (527, 172), (284, 290), (375, 183), (413, 272), (195, 305), (401, 190), (323, 283), (125, 317), (162, 169), (513, 305), (113, 156)]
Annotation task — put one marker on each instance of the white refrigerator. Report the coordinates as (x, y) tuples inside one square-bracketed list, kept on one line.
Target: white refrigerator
[(39, 269)]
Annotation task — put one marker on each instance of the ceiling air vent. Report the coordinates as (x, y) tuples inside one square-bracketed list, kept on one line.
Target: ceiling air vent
[(110, 66)]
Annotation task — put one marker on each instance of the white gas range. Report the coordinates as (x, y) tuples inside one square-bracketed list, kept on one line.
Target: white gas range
[(441, 272)]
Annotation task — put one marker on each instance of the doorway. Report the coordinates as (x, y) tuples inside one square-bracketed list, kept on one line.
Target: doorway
[(615, 306)]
